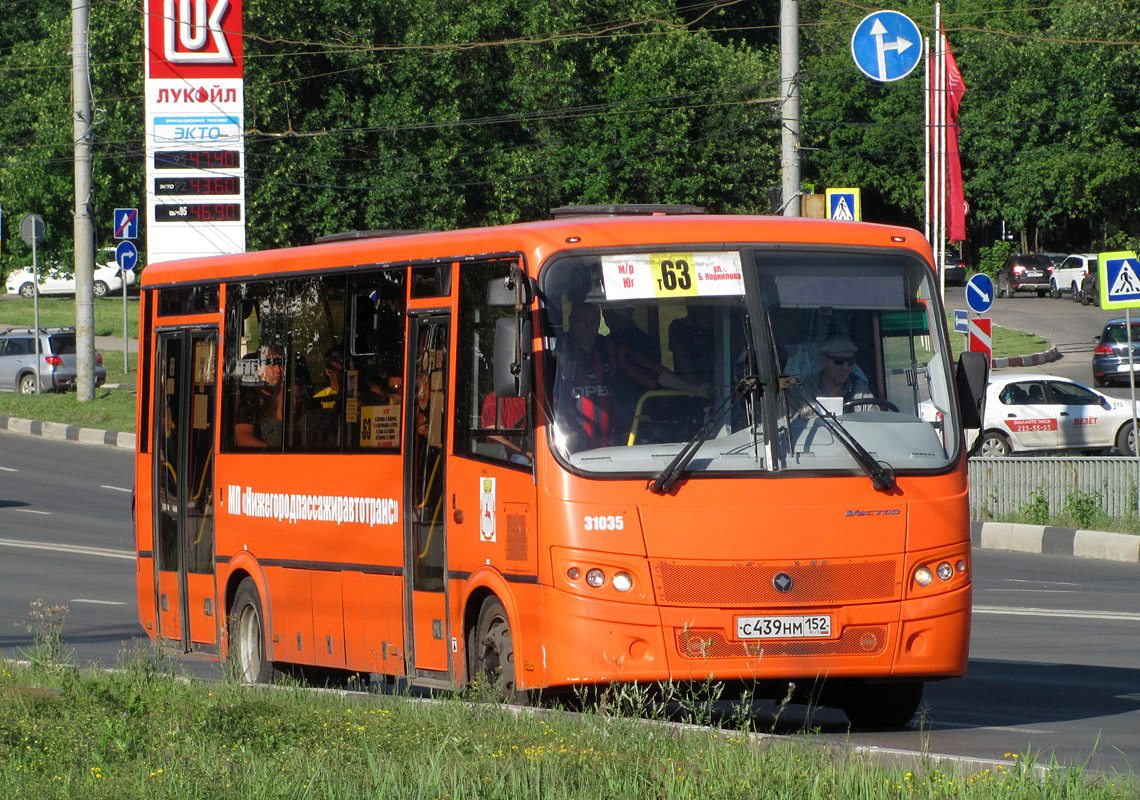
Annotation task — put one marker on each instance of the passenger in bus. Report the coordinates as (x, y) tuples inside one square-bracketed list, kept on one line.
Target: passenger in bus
[(334, 371), (837, 375), (258, 418), (591, 371)]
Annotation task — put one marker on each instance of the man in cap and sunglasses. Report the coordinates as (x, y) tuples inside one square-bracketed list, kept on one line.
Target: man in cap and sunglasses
[(837, 376)]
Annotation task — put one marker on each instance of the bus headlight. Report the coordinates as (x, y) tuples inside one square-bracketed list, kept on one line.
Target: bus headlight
[(596, 578), (945, 571), (623, 582), (923, 576)]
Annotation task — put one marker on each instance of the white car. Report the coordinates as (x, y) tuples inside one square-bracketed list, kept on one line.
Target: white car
[(107, 280), (1032, 413), (1067, 277)]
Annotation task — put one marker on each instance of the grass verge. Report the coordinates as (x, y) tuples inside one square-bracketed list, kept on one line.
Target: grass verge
[(139, 733)]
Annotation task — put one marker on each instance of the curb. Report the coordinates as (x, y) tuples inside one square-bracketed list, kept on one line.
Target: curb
[(68, 433), (1052, 354), (1048, 540)]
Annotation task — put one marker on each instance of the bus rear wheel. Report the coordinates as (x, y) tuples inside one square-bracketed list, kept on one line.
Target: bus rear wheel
[(882, 705), (247, 636), (491, 654)]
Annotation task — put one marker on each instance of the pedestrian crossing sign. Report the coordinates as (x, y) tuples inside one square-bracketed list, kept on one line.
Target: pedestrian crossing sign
[(843, 204), (1119, 279)]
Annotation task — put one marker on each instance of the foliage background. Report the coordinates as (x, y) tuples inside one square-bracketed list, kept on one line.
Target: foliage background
[(388, 114)]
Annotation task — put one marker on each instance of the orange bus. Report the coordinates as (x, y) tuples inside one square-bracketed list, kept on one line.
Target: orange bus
[(626, 444)]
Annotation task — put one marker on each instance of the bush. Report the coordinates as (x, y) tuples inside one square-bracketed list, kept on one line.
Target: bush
[(991, 258)]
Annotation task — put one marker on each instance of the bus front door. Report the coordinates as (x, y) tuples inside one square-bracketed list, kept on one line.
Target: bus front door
[(425, 550), (184, 478)]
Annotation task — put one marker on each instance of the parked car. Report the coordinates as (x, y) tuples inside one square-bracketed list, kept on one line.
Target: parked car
[(1024, 273), (58, 366), (1067, 277), (1041, 413), (108, 279), (1090, 288), (955, 273), (1110, 358)]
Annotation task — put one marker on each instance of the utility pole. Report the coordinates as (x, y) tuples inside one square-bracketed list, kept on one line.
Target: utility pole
[(790, 107), (84, 231)]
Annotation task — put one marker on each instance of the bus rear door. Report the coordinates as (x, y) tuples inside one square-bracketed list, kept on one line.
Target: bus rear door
[(425, 523), (184, 410)]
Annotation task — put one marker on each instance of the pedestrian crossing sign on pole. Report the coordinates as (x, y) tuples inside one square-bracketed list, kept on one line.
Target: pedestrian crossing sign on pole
[(843, 204), (1119, 279)]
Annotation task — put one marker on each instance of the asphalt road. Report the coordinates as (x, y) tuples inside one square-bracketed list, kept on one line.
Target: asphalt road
[(1055, 654), (1068, 325)]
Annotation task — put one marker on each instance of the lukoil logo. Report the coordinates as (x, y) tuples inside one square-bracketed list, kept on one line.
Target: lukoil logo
[(189, 26)]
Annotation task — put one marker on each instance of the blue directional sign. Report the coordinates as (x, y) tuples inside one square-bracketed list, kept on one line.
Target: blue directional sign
[(980, 293), (126, 223), (886, 46), (126, 255), (961, 321), (1119, 280)]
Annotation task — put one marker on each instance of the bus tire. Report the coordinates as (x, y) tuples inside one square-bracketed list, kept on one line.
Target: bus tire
[(247, 655), (882, 705), (492, 655)]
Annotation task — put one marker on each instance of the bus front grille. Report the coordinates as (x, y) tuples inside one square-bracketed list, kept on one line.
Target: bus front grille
[(754, 585), (855, 641)]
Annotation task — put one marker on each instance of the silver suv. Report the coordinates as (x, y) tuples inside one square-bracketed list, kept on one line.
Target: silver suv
[(57, 360)]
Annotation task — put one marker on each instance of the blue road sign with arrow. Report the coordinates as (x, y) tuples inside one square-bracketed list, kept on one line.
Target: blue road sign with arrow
[(980, 293), (886, 46), (126, 255)]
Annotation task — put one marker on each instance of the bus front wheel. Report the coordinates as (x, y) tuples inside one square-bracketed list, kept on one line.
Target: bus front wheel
[(247, 636), (492, 654), (882, 705)]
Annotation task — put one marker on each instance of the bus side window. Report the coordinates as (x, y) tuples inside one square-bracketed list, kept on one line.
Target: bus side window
[(486, 426), (374, 370)]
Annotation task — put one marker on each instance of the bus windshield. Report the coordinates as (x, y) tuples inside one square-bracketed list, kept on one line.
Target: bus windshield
[(747, 360)]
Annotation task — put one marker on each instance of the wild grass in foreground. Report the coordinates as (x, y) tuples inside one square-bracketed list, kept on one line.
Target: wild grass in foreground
[(138, 732)]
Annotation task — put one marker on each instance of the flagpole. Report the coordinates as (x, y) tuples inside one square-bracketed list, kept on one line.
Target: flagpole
[(926, 137), (940, 149)]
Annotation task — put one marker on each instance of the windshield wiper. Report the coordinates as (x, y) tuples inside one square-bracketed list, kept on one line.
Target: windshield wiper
[(676, 468), (882, 475)]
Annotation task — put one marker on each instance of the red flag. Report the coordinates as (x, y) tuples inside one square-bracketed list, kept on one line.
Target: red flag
[(956, 202)]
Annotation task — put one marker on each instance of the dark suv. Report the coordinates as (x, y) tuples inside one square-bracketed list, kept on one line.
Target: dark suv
[(57, 360), (1025, 272)]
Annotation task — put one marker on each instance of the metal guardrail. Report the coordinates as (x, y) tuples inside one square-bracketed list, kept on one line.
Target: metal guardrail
[(1001, 486)]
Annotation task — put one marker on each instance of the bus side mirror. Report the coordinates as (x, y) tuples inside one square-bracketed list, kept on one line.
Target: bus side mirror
[(514, 362), (516, 289), (971, 377)]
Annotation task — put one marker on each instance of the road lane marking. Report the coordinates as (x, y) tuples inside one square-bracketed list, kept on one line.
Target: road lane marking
[(8, 469), (1050, 583), (99, 602), (1037, 591), (115, 488), (32, 511), (1057, 612), (103, 552)]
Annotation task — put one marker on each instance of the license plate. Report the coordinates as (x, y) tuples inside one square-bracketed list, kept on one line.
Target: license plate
[(1033, 273), (803, 627)]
